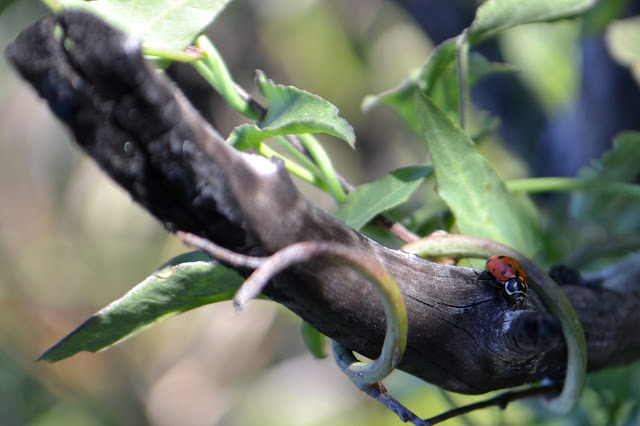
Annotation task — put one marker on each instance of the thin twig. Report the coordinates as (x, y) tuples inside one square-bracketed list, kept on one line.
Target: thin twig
[(295, 142), (403, 233), (378, 392), (220, 253), (348, 186), (396, 228), (501, 401)]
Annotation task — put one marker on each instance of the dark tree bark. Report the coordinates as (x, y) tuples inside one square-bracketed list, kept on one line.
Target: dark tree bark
[(463, 335)]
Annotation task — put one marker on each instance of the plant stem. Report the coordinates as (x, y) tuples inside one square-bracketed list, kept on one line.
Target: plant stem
[(462, 71), (551, 184), (172, 54), (329, 175), (298, 154), (213, 68), (293, 167)]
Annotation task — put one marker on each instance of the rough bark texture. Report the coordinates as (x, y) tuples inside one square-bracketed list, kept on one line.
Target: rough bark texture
[(463, 335)]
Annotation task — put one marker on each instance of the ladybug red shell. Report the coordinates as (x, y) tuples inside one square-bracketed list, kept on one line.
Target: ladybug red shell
[(505, 267), (508, 271)]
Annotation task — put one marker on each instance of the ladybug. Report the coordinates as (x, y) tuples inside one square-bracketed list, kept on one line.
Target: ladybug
[(508, 271)]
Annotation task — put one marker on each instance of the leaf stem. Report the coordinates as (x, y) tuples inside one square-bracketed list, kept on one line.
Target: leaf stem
[(462, 71), (173, 54), (552, 184), (297, 153), (213, 68), (321, 158), (296, 169)]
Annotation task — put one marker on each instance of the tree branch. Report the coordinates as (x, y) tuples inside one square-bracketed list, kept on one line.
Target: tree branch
[(463, 335)]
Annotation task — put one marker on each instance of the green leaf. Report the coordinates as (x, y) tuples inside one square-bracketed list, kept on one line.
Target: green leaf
[(173, 289), (472, 189), (614, 212), (435, 79), (5, 4), (480, 67), (314, 340), (433, 213), (494, 16), (623, 41), (620, 162), (549, 59), (291, 111), (170, 24), (190, 256), (439, 63), (369, 199), (400, 99)]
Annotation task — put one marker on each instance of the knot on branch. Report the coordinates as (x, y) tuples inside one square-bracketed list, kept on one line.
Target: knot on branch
[(533, 332)]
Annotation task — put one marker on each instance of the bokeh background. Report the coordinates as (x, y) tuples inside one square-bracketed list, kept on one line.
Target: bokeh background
[(71, 241)]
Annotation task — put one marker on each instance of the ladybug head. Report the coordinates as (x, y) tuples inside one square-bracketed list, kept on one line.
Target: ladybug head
[(516, 289)]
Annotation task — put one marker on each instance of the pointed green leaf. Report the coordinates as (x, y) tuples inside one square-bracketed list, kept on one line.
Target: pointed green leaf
[(472, 189), (313, 340), (369, 199), (542, 50), (402, 97), (439, 63), (435, 76), (433, 215), (614, 211), (623, 41), (173, 289), (169, 24), (480, 67), (620, 162), (291, 111), (494, 16), (190, 256)]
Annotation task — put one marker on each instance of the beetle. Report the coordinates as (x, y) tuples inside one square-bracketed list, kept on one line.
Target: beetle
[(508, 271)]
